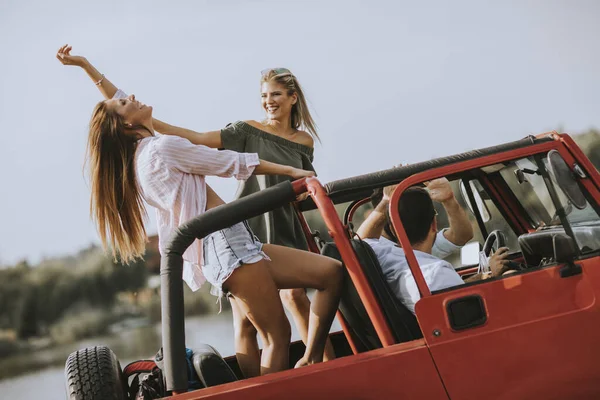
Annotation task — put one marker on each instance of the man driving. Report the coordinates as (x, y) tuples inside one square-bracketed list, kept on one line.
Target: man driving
[(418, 217)]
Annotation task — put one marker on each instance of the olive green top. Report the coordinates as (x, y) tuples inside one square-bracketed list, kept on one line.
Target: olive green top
[(280, 226)]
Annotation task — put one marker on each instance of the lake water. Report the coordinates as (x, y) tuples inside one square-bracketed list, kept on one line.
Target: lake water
[(131, 345)]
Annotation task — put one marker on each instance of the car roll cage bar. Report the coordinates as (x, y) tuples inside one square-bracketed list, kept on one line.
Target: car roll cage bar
[(171, 266)]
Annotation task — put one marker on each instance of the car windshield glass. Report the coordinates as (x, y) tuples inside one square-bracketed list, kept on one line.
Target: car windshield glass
[(525, 180)]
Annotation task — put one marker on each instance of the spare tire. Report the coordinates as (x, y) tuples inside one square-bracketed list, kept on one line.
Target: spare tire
[(94, 373)]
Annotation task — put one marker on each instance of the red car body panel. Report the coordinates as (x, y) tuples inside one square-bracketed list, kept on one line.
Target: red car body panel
[(404, 370)]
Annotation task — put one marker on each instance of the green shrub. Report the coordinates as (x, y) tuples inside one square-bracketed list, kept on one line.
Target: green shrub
[(82, 324)]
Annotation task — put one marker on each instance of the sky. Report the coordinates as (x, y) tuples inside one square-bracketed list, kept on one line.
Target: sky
[(387, 81)]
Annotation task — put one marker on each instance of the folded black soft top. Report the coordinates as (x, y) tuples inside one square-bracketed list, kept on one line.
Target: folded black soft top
[(362, 186)]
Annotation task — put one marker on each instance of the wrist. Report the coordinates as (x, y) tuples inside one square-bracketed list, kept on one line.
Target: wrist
[(496, 272), (450, 204), (382, 206), (85, 64)]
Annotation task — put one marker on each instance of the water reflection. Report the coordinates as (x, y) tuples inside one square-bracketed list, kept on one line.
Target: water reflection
[(134, 344), (137, 343)]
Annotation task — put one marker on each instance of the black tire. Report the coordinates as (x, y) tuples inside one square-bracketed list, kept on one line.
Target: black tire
[(94, 374)]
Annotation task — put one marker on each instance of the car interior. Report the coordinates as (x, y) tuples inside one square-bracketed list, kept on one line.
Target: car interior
[(509, 204)]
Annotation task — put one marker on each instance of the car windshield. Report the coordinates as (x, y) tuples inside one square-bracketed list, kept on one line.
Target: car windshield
[(524, 178)]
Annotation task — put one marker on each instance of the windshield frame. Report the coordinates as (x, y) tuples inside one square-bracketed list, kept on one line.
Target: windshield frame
[(542, 209)]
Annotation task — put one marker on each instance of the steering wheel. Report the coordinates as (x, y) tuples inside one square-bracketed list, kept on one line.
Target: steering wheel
[(495, 240)]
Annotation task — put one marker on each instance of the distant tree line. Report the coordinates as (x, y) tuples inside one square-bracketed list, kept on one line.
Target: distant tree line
[(32, 299), (590, 144)]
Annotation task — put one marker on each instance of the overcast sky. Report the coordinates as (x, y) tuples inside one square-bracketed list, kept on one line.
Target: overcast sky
[(388, 81)]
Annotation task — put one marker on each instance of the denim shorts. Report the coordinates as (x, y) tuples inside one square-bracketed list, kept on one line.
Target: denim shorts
[(226, 250)]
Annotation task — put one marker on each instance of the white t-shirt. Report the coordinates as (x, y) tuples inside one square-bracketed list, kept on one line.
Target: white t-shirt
[(438, 274)]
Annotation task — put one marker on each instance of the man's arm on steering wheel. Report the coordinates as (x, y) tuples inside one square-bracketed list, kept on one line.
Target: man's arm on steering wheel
[(498, 265)]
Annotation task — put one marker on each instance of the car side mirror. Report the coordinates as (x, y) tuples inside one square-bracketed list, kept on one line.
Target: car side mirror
[(565, 251), (469, 254)]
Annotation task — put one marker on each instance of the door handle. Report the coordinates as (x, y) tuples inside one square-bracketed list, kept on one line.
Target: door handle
[(466, 312)]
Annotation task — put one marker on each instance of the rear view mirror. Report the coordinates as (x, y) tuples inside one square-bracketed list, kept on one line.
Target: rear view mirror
[(469, 254), (565, 179), (481, 207), (520, 176)]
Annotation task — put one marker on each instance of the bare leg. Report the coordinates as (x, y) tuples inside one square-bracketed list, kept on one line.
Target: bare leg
[(291, 268), (297, 303), (246, 345), (257, 298)]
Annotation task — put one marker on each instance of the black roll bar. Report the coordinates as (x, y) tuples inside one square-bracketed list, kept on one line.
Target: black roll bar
[(171, 268)]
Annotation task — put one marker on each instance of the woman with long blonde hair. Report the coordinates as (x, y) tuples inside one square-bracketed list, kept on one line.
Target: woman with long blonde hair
[(129, 163), (286, 136)]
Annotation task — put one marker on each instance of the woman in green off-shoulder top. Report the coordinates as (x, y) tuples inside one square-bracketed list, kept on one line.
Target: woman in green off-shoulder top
[(279, 226), (279, 139)]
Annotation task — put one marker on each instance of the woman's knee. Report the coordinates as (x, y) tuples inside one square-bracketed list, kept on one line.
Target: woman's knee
[(244, 327), (284, 331), (294, 298), (333, 273), (279, 333)]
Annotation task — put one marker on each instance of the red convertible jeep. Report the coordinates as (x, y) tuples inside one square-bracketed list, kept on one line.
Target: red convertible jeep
[(530, 334)]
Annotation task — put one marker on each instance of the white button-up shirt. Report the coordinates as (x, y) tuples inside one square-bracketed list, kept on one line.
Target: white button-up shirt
[(171, 172), (438, 274)]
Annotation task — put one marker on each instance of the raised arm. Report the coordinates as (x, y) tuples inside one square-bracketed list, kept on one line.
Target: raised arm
[(105, 86), (108, 90), (372, 226), (460, 230)]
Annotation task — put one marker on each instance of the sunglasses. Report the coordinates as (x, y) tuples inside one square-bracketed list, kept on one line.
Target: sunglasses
[(278, 71)]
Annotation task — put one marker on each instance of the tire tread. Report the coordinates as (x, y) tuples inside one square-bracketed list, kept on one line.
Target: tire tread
[(94, 373)]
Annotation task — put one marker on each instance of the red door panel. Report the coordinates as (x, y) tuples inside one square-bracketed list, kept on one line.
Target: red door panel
[(403, 371), (539, 340)]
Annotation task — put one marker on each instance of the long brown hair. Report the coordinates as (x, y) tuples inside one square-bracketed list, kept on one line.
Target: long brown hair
[(116, 203), (300, 117)]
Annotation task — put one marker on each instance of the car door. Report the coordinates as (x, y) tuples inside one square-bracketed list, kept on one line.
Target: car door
[(525, 336)]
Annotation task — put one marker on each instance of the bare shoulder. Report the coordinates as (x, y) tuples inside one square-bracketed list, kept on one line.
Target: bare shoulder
[(255, 124), (305, 138), (302, 137)]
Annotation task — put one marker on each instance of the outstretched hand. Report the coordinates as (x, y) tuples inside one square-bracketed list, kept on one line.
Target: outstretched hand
[(302, 197), (64, 56)]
